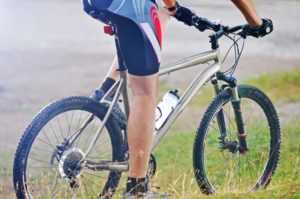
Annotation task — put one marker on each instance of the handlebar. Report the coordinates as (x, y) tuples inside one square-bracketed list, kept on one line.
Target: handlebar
[(220, 30)]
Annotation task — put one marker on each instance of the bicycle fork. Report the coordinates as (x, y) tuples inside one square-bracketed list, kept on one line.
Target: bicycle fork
[(236, 104), (234, 146)]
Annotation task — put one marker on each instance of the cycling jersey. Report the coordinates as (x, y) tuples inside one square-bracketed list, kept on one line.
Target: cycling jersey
[(138, 32)]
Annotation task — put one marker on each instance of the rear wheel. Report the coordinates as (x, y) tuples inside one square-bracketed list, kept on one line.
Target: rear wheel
[(219, 169), (45, 166)]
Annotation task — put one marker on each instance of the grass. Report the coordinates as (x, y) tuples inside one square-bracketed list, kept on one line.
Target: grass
[(175, 173), (5, 176), (174, 155), (281, 87)]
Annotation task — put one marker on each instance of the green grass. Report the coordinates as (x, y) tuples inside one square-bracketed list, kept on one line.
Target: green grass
[(5, 163), (5, 176), (174, 155), (175, 173), (280, 87)]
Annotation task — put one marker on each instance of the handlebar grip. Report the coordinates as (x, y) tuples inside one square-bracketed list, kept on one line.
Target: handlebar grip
[(236, 28), (199, 23), (203, 24)]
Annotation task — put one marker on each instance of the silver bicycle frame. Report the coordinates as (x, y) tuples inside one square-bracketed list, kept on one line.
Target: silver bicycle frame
[(202, 77)]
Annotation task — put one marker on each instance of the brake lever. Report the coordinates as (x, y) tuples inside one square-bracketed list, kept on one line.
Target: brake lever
[(242, 34), (199, 23)]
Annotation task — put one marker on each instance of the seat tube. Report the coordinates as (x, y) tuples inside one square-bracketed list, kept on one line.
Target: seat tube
[(123, 75)]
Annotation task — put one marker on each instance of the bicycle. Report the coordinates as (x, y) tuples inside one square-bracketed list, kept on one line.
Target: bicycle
[(64, 163)]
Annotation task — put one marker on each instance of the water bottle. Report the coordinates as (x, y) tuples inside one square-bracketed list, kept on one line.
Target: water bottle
[(165, 108)]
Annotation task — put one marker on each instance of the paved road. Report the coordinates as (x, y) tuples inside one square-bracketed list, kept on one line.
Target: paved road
[(50, 49)]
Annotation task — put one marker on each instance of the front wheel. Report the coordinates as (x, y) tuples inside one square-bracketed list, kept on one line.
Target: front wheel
[(218, 164), (46, 163)]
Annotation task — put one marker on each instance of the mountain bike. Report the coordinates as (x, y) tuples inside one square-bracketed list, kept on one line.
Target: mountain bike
[(77, 147)]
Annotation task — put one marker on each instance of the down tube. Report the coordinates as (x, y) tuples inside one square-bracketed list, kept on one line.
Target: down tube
[(189, 93)]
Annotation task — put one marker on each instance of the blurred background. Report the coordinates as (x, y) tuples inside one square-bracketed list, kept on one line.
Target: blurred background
[(51, 49)]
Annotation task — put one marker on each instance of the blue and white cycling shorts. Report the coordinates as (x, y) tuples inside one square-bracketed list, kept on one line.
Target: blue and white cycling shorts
[(137, 30)]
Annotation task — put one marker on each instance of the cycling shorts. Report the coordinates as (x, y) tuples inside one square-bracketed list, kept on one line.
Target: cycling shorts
[(137, 31)]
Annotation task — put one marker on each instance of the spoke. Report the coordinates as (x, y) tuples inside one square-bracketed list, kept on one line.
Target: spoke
[(53, 192), (38, 160), (47, 137), (238, 172), (68, 123), (71, 124), (45, 142), (79, 138), (60, 128), (53, 132), (79, 120), (41, 149), (42, 167), (91, 129), (246, 119), (229, 121), (44, 179)]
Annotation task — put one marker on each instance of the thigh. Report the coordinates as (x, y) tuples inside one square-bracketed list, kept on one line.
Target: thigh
[(135, 49), (138, 32), (164, 20), (139, 44)]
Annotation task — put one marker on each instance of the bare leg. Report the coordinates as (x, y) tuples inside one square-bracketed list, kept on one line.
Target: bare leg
[(141, 123), (142, 116), (142, 113)]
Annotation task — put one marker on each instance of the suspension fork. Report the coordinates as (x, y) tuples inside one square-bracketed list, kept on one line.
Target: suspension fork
[(236, 104), (220, 116)]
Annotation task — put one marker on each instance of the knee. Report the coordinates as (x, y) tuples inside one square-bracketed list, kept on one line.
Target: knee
[(144, 87), (142, 91)]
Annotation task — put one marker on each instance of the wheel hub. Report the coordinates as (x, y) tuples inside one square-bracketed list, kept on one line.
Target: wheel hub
[(231, 146), (70, 164)]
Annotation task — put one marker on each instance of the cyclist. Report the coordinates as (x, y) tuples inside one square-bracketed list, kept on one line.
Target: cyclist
[(138, 32)]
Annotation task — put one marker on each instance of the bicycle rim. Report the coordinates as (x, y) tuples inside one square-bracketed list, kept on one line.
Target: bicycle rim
[(45, 171), (229, 171)]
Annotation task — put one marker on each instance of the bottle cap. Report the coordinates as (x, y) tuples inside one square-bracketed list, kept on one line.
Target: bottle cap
[(175, 92)]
